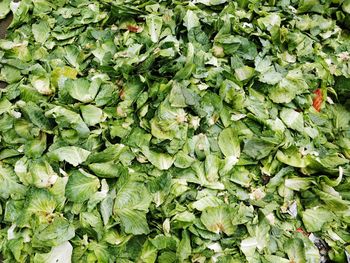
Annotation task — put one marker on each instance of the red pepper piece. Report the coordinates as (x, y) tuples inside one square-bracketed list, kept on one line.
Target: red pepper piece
[(300, 230), (317, 101), (134, 29)]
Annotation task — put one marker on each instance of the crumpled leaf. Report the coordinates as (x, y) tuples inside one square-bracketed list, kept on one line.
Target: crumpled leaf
[(314, 219), (71, 154), (162, 161), (217, 220), (59, 254), (81, 186), (4, 8), (53, 234), (229, 143), (292, 119)]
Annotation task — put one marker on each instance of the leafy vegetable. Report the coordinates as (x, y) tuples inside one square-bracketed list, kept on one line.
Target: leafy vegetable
[(175, 131)]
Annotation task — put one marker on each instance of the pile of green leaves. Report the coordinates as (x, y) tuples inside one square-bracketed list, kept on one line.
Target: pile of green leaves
[(175, 131)]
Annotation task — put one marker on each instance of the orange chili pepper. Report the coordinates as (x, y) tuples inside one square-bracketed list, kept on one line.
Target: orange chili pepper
[(317, 101)]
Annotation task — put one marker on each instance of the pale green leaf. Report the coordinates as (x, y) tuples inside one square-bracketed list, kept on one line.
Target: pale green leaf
[(81, 186)]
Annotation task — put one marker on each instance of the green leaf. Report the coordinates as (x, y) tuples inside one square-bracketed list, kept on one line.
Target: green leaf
[(133, 221), (184, 249), (65, 117), (346, 6), (211, 2), (162, 161), (36, 116), (41, 31), (244, 73), (43, 176), (229, 143), (10, 74), (107, 169), (191, 20), (9, 185), (71, 154), (91, 114), (106, 207), (60, 254), (205, 202), (276, 259), (36, 147), (82, 89), (54, 234), (40, 202), (81, 186), (297, 183), (218, 220), (292, 157), (257, 148), (133, 195), (295, 250), (4, 8), (148, 253), (5, 105), (154, 24), (315, 218), (131, 204), (292, 119)]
